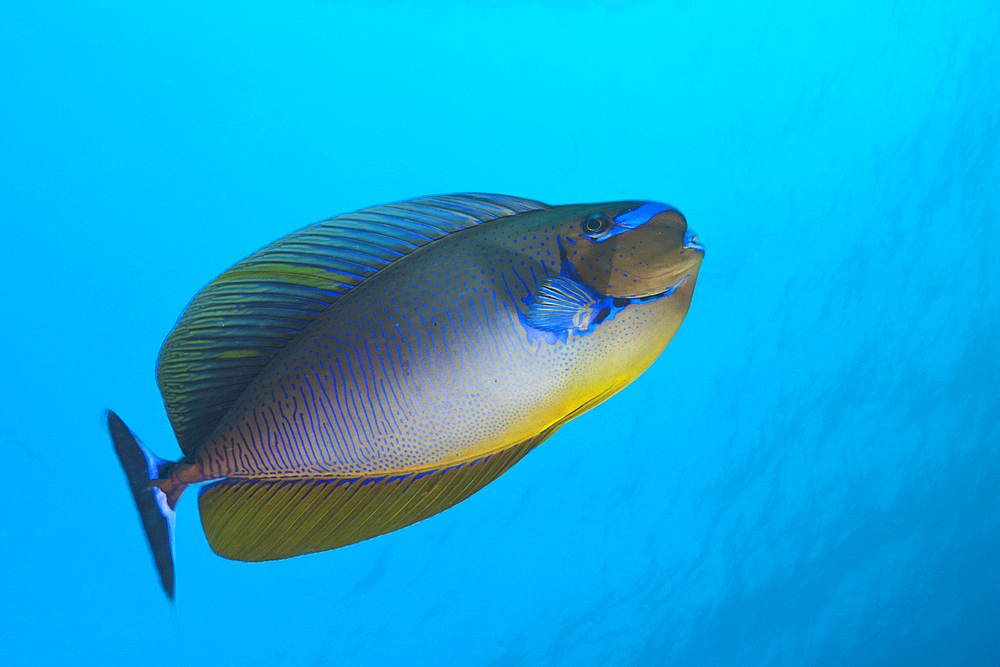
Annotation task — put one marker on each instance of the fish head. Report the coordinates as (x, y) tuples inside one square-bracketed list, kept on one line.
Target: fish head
[(632, 249)]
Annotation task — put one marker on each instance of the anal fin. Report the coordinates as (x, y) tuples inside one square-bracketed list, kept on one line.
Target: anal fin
[(260, 520)]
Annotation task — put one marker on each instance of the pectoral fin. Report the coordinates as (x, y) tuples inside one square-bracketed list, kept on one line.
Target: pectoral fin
[(563, 304)]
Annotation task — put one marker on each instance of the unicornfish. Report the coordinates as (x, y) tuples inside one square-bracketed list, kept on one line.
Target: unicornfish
[(374, 369)]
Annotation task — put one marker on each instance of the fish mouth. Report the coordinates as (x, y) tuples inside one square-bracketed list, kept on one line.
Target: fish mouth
[(659, 295), (678, 272), (691, 241)]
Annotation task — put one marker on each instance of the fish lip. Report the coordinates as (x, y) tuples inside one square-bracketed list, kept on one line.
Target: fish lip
[(659, 295), (691, 241)]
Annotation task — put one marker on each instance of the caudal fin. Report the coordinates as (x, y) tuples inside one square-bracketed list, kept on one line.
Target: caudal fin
[(141, 466)]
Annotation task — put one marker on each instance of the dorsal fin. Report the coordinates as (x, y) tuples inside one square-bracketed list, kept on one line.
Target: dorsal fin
[(236, 324)]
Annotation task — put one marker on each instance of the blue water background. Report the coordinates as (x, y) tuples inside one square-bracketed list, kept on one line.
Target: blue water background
[(809, 475)]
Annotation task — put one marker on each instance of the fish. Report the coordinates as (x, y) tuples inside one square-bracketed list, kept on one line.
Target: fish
[(374, 369)]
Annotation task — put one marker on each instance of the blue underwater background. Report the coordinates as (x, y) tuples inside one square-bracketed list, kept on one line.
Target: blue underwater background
[(809, 474)]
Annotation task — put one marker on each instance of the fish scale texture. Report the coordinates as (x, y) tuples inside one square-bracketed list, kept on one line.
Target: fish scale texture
[(235, 326)]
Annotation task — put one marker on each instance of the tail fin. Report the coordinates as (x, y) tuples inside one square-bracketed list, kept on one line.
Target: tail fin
[(141, 466)]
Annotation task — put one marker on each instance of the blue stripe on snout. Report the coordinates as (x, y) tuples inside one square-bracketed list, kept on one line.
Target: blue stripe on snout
[(629, 220), (643, 214)]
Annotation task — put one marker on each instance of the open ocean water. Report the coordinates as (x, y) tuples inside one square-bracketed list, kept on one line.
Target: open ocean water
[(809, 474)]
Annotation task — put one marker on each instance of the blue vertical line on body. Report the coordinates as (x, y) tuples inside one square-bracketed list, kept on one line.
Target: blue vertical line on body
[(338, 449), (462, 350), (245, 451), (253, 447), (355, 430), (488, 324), (231, 461), (211, 463), (384, 391), (331, 427), (260, 444), (447, 348), (527, 290), (434, 368), (288, 442), (378, 393), (378, 386), (279, 447), (513, 299), (319, 438), (364, 398), (510, 321), (425, 378), (499, 323), (311, 429), (347, 402), (350, 430), (473, 349), (393, 384), (242, 464), (402, 385), (286, 429), (381, 425), (418, 383), (481, 342), (301, 432), (413, 379), (250, 455), (220, 460), (266, 445), (513, 322), (489, 339), (301, 441), (438, 369), (273, 440), (220, 456), (291, 430), (366, 437)]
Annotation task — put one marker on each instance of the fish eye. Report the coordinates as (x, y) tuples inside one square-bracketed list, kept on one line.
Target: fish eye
[(595, 224)]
